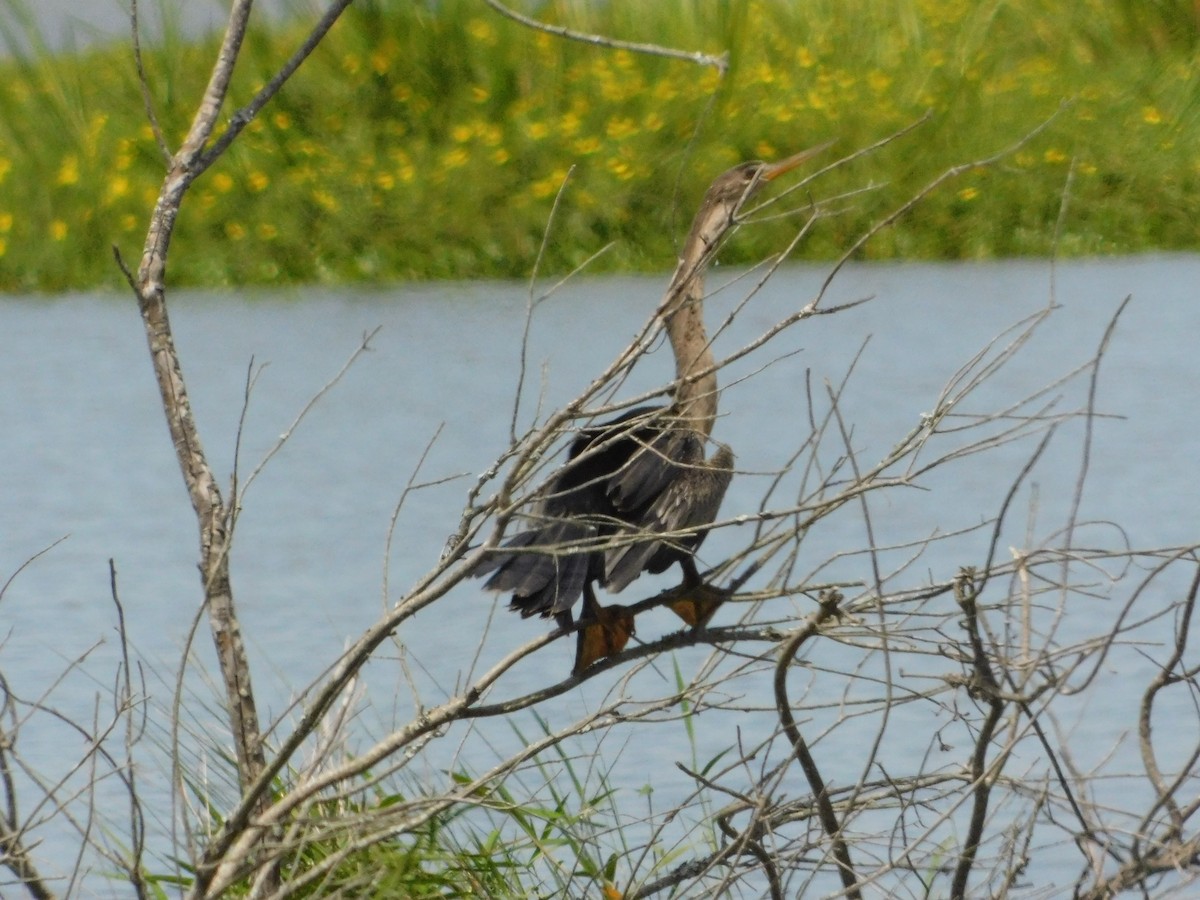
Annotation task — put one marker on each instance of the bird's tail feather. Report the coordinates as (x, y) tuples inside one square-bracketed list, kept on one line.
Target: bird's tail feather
[(541, 583)]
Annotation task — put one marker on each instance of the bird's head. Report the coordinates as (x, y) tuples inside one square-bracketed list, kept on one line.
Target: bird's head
[(718, 214), (733, 188), (729, 192)]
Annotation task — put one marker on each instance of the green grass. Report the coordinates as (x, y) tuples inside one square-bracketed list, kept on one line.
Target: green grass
[(419, 144), (550, 830)]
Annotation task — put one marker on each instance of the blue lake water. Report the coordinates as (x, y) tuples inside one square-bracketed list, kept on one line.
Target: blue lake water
[(85, 458)]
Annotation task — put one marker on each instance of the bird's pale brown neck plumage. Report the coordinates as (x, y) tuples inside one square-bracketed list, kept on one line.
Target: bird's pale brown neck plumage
[(683, 311), (695, 405)]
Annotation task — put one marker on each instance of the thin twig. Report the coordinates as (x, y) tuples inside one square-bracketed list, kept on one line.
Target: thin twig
[(720, 63)]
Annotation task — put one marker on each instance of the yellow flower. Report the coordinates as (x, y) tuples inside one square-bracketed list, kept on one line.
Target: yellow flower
[(479, 94), (569, 124), (620, 128), (1054, 155), (481, 30), (968, 193), (223, 182), (381, 59), (537, 130), (351, 64), (325, 199), (500, 156), (804, 58), (128, 222), (282, 121), (490, 134), (6, 220), (550, 184), (879, 81), (385, 181), (258, 181), (235, 230), (1151, 115), (68, 172), (665, 91), (586, 146), (267, 231), (461, 133), (118, 187), (455, 159), (94, 128), (620, 168), (58, 230)]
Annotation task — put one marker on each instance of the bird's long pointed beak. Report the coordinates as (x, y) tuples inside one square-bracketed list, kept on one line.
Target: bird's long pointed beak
[(774, 170)]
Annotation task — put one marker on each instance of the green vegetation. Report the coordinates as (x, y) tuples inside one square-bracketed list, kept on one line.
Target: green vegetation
[(428, 140), (555, 832)]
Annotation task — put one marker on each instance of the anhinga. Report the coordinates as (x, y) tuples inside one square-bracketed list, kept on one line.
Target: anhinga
[(637, 492)]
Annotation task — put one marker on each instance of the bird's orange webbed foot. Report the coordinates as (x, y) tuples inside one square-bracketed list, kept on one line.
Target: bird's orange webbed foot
[(603, 632), (696, 603)]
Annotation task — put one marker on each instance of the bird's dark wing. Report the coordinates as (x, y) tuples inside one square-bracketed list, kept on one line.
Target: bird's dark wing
[(541, 583), (690, 500), (661, 457), (574, 507)]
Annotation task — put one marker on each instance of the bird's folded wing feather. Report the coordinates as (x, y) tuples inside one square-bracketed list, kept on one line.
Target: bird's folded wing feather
[(690, 499)]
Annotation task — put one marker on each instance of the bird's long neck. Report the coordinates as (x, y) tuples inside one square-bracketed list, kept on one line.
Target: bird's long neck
[(683, 311)]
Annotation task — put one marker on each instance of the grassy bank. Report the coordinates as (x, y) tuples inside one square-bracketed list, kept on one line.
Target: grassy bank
[(421, 144)]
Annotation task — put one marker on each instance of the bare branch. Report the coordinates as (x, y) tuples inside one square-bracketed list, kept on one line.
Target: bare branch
[(720, 63)]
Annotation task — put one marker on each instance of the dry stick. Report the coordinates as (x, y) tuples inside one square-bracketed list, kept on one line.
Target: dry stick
[(523, 358), (1165, 796), (829, 822), (144, 82), (124, 692), (426, 809), (149, 285), (236, 837), (1177, 859), (749, 840), (983, 684), (1087, 828), (207, 503), (244, 116), (988, 569), (13, 853), (755, 847), (720, 63), (977, 589), (884, 636)]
